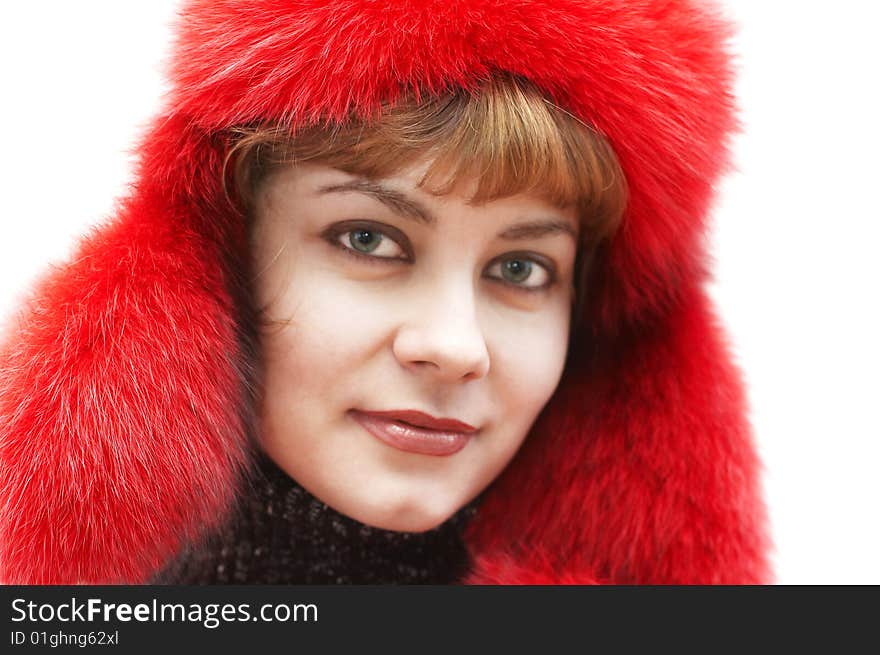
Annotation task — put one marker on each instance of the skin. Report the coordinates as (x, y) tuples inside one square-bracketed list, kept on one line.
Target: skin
[(426, 321)]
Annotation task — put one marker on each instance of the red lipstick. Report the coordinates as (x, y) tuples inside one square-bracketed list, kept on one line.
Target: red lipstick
[(416, 432)]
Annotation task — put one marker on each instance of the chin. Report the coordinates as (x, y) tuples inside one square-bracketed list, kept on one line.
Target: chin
[(405, 517)]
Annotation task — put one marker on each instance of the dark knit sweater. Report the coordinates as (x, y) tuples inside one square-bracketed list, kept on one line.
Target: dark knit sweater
[(280, 534)]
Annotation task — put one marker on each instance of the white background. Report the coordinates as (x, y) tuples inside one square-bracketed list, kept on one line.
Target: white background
[(795, 230)]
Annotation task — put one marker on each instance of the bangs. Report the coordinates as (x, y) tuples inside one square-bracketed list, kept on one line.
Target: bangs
[(505, 136)]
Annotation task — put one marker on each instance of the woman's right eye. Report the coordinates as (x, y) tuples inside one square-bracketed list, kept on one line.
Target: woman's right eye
[(369, 242)]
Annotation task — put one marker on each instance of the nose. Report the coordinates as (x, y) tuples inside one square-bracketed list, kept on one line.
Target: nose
[(442, 338)]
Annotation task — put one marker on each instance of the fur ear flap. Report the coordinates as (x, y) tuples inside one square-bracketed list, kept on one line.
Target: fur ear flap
[(504, 567), (120, 430), (642, 467)]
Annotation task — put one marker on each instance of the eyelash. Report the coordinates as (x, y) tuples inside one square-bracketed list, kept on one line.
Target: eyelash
[(332, 235)]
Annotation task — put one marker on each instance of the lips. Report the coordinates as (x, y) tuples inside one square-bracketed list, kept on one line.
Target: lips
[(416, 432)]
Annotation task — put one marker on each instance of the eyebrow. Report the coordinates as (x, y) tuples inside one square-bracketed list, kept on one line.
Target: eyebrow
[(537, 229), (396, 201), (407, 207)]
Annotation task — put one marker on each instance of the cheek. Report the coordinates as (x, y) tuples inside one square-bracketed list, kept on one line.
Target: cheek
[(313, 363), (529, 360), (329, 327)]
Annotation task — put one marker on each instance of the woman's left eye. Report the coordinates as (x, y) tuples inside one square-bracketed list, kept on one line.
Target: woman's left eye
[(370, 242), (522, 272)]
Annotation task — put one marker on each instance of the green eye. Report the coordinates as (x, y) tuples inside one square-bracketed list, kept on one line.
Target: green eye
[(524, 272), (516, 270), (378, 244), (364, 240)]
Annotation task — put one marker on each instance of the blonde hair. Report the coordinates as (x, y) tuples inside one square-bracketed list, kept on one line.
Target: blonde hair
[(506, 134)]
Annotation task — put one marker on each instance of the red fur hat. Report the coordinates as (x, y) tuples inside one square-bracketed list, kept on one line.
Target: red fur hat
[(122, 382)]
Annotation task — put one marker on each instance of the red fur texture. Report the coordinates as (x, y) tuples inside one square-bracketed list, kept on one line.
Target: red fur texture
[(121, 383)]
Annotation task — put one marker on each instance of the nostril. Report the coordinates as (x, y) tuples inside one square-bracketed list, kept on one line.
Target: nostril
[(438, 350)]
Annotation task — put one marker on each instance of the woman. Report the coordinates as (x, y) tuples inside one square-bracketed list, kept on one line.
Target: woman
[(402, 294)]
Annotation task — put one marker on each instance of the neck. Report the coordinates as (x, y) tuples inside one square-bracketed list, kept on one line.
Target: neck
[(279, 533)]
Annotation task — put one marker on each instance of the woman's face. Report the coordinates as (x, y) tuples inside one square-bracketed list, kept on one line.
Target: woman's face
[(422, 337)]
